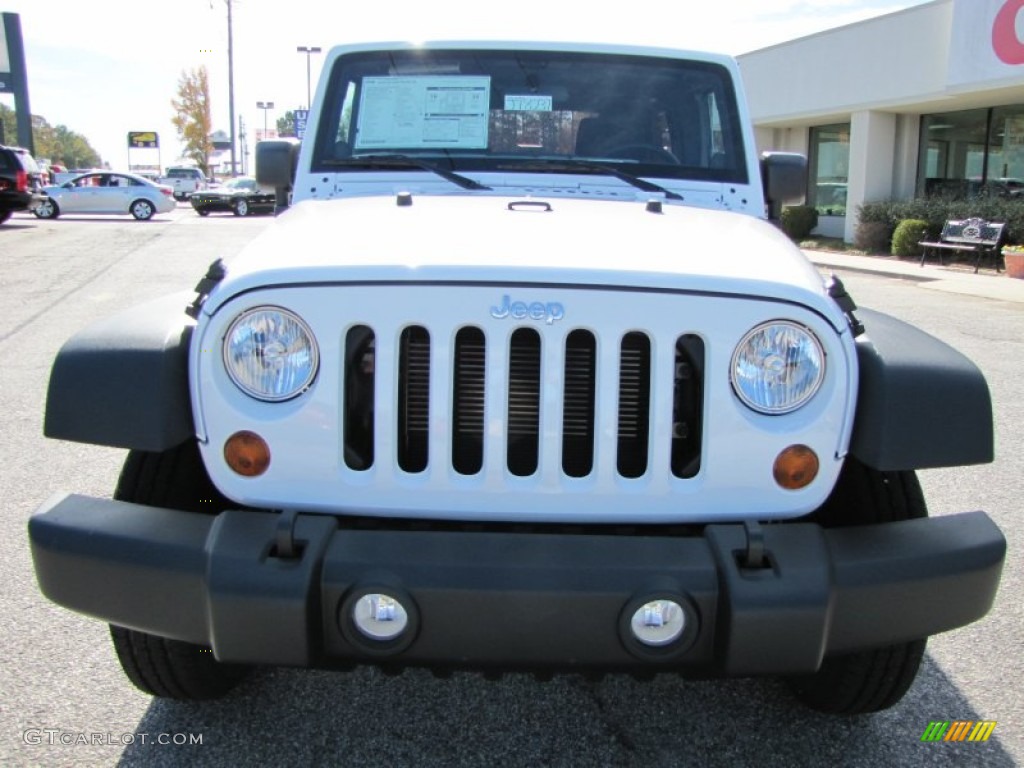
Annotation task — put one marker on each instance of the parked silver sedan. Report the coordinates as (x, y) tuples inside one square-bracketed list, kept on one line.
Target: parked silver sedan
[(106, 192)]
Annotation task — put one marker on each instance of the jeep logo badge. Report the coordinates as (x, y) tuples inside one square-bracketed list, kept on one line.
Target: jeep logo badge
[(532, 310)]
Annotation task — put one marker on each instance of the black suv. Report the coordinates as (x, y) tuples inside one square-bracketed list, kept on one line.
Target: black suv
[(20, 181)]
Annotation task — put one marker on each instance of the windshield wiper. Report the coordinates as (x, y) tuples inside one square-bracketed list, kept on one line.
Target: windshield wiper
[(405, 161), (571, 164)]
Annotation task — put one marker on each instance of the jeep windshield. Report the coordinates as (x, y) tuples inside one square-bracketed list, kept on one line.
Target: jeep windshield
[(532, 111)]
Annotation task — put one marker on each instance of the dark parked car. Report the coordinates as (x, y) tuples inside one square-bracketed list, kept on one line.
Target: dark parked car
[(241, 196), (20, 181)]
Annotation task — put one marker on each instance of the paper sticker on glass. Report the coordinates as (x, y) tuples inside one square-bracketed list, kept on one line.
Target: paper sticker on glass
[(528, 103), (430, 112)]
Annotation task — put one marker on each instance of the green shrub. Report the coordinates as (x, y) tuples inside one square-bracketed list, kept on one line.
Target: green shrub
[(907, 235), (799, 220), (873, 236), (936, 211)]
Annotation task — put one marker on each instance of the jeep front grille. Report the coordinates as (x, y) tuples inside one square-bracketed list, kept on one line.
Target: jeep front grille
[(523, 390)]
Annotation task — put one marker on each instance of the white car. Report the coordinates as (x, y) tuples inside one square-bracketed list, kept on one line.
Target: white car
[(106, 192), (184, 181)]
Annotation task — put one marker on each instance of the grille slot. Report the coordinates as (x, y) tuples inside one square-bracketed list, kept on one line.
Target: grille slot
[(358, 397), (523, 402), (687, 406), (578, 404), (413, 399), (468, 377), (634, 403)]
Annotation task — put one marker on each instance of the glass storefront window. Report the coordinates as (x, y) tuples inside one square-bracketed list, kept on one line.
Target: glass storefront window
[(1006, 151), (829, 168), (972, 151)]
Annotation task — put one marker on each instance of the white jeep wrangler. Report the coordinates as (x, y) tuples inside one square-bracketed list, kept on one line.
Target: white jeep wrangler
[(522, 380)]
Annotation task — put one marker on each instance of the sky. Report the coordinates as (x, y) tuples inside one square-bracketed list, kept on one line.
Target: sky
[(107, 67)]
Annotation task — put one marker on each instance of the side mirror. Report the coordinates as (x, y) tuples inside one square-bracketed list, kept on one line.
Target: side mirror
[(784, 175), (276, 163)]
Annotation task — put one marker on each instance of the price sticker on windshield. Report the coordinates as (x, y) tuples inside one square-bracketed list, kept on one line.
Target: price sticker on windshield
[(531, 102)]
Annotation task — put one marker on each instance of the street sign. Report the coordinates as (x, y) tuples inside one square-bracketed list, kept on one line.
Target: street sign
[(301, 115)]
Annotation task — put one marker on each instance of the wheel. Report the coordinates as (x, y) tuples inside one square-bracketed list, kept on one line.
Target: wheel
[(4, 216), (643, 153), (241, 207), (202, 212), (156, 665), (873, 680), (172, 669), (47, 209), (142, 210)]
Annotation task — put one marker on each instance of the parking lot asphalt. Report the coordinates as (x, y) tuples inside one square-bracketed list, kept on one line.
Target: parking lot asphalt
[(952, 278)]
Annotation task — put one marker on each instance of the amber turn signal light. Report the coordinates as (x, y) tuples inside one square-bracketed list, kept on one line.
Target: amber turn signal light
[(796, 467), (247, 454)]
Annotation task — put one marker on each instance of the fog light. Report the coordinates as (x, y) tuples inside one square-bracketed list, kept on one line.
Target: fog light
[(658, 623), (796, 467), (380, 617), (247, 454)]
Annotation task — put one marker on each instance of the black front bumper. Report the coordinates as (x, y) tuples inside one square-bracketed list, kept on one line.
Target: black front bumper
[(514, 600)]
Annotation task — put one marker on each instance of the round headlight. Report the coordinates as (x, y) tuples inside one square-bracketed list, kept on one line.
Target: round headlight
[(270, 354), (777, 367)]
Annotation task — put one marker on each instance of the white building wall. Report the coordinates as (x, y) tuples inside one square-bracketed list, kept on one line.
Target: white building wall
[(881, 76), (781, 140), (872, 153), (890, 61), (908, 142)]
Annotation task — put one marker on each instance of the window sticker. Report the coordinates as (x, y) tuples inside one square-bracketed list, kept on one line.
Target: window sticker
[(430, 112), (531, 102)]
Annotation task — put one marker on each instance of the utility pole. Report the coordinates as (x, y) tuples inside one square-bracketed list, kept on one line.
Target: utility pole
[(231, 89), (244, 145)]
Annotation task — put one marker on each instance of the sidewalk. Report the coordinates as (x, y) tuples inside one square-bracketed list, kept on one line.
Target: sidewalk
[(987, 284)]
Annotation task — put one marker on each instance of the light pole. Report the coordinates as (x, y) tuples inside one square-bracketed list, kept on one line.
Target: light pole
[(309, 51), (264, 105), (231, 89)]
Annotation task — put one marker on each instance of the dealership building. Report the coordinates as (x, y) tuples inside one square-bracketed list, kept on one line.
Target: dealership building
[(928, 100)]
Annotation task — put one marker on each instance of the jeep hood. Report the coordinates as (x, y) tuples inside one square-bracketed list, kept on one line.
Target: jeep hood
[(504, 240)]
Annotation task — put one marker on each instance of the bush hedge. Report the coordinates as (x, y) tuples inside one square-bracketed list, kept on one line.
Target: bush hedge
[(872, 236), (936, 211), (907, 235), (799, 220)]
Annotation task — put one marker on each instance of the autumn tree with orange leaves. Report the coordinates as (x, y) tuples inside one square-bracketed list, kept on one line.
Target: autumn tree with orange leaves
[(192, 116)]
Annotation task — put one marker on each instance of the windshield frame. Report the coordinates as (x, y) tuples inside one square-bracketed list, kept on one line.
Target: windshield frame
[(655, 72)]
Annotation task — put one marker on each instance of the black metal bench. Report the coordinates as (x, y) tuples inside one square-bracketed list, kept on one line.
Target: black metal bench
[(977, 236)]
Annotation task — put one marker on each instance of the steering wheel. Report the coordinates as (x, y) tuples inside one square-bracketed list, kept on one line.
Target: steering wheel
[(644, 153)]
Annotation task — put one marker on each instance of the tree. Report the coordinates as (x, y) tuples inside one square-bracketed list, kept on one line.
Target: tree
[(58, 144), (192, 116), (286, 124)]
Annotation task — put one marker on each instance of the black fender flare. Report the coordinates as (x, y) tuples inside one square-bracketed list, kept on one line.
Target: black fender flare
[(123, 381), (920, 403)]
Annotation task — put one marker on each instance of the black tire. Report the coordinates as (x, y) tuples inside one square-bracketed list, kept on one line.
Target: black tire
[(172, 669), (873, 680), (47, 209), (202, 212), (4, 216), (241, 207), (159, 666)]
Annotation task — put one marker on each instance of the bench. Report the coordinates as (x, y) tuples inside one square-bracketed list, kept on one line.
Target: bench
[(977, 236)]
